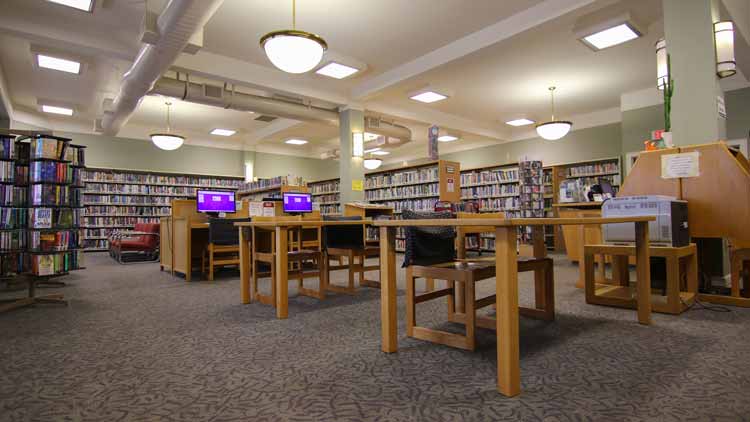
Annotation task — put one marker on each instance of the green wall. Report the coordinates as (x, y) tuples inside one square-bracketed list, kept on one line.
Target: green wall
[(738, 113), (638, 124), (311, 169), (579, 145)]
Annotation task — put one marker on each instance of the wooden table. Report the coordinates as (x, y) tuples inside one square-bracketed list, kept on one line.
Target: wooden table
[(281, 243), (506, 283)]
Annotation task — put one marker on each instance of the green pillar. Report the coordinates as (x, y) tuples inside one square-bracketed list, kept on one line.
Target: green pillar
[(688, 28), (350, 168), (249, 159)]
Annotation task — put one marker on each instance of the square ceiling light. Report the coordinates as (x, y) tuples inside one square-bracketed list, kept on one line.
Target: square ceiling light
[(520, 122), (223, 132), (380, 152), (85, 5), (56, 63), (611, 37), (295, 141), (57, 110), (337, 70), (428, 97)]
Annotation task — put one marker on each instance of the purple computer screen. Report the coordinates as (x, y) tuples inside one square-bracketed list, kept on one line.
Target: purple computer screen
[(297, 202), (216, 201)]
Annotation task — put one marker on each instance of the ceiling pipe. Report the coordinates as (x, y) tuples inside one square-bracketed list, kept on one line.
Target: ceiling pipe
[(176, 25)]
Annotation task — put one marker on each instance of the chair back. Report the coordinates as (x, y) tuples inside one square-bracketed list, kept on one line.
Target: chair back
[(428, 245), (477, 229), (221, 231), (149, 241), (343, 237)]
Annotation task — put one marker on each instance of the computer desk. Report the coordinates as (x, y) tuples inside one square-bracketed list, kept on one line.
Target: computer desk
[(181, 240)]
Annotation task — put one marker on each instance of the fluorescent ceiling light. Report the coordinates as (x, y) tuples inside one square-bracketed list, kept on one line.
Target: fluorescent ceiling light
[(428, 97), (447, 138), (371, 136), (337, 70), (85, 5), (54, 63), (611, 37), (520, 122), (57, 110), (380, 152), (371, 150), (223, 132), (296, 141)]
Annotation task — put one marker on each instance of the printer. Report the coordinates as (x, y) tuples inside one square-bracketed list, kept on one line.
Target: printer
[(669, 229)]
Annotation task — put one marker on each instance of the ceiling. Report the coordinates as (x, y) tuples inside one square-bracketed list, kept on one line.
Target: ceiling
[(494, 59)]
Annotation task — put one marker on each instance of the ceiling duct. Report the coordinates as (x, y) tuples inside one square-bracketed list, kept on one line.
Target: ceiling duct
[(176, 25)]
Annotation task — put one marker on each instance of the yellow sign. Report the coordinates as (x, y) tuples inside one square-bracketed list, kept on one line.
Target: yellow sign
[(357, 185)]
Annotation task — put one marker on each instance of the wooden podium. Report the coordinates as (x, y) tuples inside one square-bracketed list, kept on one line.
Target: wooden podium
[(718, 198)]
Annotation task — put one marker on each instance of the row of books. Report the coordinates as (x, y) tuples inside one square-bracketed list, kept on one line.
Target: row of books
[(423, 175), (489, 190), (95, 244), (7, 147), (330, 209), (12, 240), (402, 192), (22, 175), (55, 195), (613, 180), (426, 204), (117, 221), (331, 197), (140, 189), (127, 211), (89, 233), (127, 200), (263, 184), (54, 218), (7, 171), (76, 155), (489, 176), (11, 196), (324, 187), (593, 169), (13, 218), (56, 263), (50, 148), (13, 263), (50, 171), (499, 204), (158, 179), (51, 241)]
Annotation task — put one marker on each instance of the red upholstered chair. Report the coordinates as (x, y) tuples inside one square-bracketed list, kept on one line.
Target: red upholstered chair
[(141, 244)]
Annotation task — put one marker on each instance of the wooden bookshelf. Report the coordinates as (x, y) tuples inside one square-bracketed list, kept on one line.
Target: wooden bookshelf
[(327, 194), (116, 199)]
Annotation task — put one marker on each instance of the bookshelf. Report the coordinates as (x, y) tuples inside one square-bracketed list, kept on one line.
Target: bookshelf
[(326, 194), (270, 188), (116, 199)]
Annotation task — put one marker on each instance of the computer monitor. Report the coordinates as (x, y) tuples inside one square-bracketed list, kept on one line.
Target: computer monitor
[(607, 189), (216, 201), (295, 202)]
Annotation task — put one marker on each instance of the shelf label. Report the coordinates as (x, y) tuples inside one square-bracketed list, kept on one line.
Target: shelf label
[(675, 166)]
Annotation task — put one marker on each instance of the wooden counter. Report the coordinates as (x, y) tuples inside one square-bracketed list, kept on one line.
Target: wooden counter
[(572, 234)]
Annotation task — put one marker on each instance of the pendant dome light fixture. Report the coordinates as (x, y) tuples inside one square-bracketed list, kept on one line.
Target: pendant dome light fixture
[(167, 141), (371, 163), (554, 129), (291, 50)]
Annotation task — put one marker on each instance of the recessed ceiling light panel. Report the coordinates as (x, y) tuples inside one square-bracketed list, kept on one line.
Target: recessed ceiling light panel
[(337, 70), (428, 97), (295, 141), (223, 132), (611, 37), (85, 5), (55, 63), (57, 110), (381, 152), (520, 122)]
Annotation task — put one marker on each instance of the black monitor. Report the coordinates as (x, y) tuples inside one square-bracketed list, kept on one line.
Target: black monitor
[(607, 188), (215, 201), (296, 202)]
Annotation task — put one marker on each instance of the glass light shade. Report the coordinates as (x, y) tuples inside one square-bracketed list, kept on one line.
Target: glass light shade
[(294, 51), (662, 67), (553, 131), (372, 163), (166, 141), (358, 144), (726, 64)]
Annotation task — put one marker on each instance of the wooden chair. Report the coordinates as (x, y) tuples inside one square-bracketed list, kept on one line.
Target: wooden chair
[(223, 247), (348, 242), (431, 255), (263, 251)]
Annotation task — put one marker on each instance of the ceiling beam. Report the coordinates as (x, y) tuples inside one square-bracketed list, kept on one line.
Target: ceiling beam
[(493, 34), (269, 130)]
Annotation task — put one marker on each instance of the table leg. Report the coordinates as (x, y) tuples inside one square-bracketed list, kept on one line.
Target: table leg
[(244, 267), (692, 271), (643, 271), (282, 272), (540, 251), (581, 266), (506, 284), (388, 317)]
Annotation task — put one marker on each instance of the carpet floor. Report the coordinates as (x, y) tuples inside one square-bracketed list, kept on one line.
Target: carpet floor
[(136, 344)]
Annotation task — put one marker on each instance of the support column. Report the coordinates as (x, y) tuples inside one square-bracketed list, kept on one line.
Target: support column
[(689, 32), (350, 168), (249, 160)]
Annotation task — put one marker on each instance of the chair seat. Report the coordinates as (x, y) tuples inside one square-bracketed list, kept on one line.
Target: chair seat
[(367, 251), (133, 245), (456, 270), (303, 255)]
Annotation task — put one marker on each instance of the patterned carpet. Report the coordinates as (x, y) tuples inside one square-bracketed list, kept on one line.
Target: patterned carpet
[(136, 344)]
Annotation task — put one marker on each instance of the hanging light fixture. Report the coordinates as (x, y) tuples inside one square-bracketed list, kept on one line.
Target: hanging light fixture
[(167, 141), (554, 129), (726, 65), (291, 50), (372, 163)]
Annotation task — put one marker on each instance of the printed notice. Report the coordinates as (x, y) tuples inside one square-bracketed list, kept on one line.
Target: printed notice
[(450, 186), (256, 209), (675, 166), (357, 185)]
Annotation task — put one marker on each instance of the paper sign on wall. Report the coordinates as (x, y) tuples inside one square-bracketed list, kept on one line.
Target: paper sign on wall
[(675, 166), (269, 209), (357, 185), (256, 209), (721, 106)]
